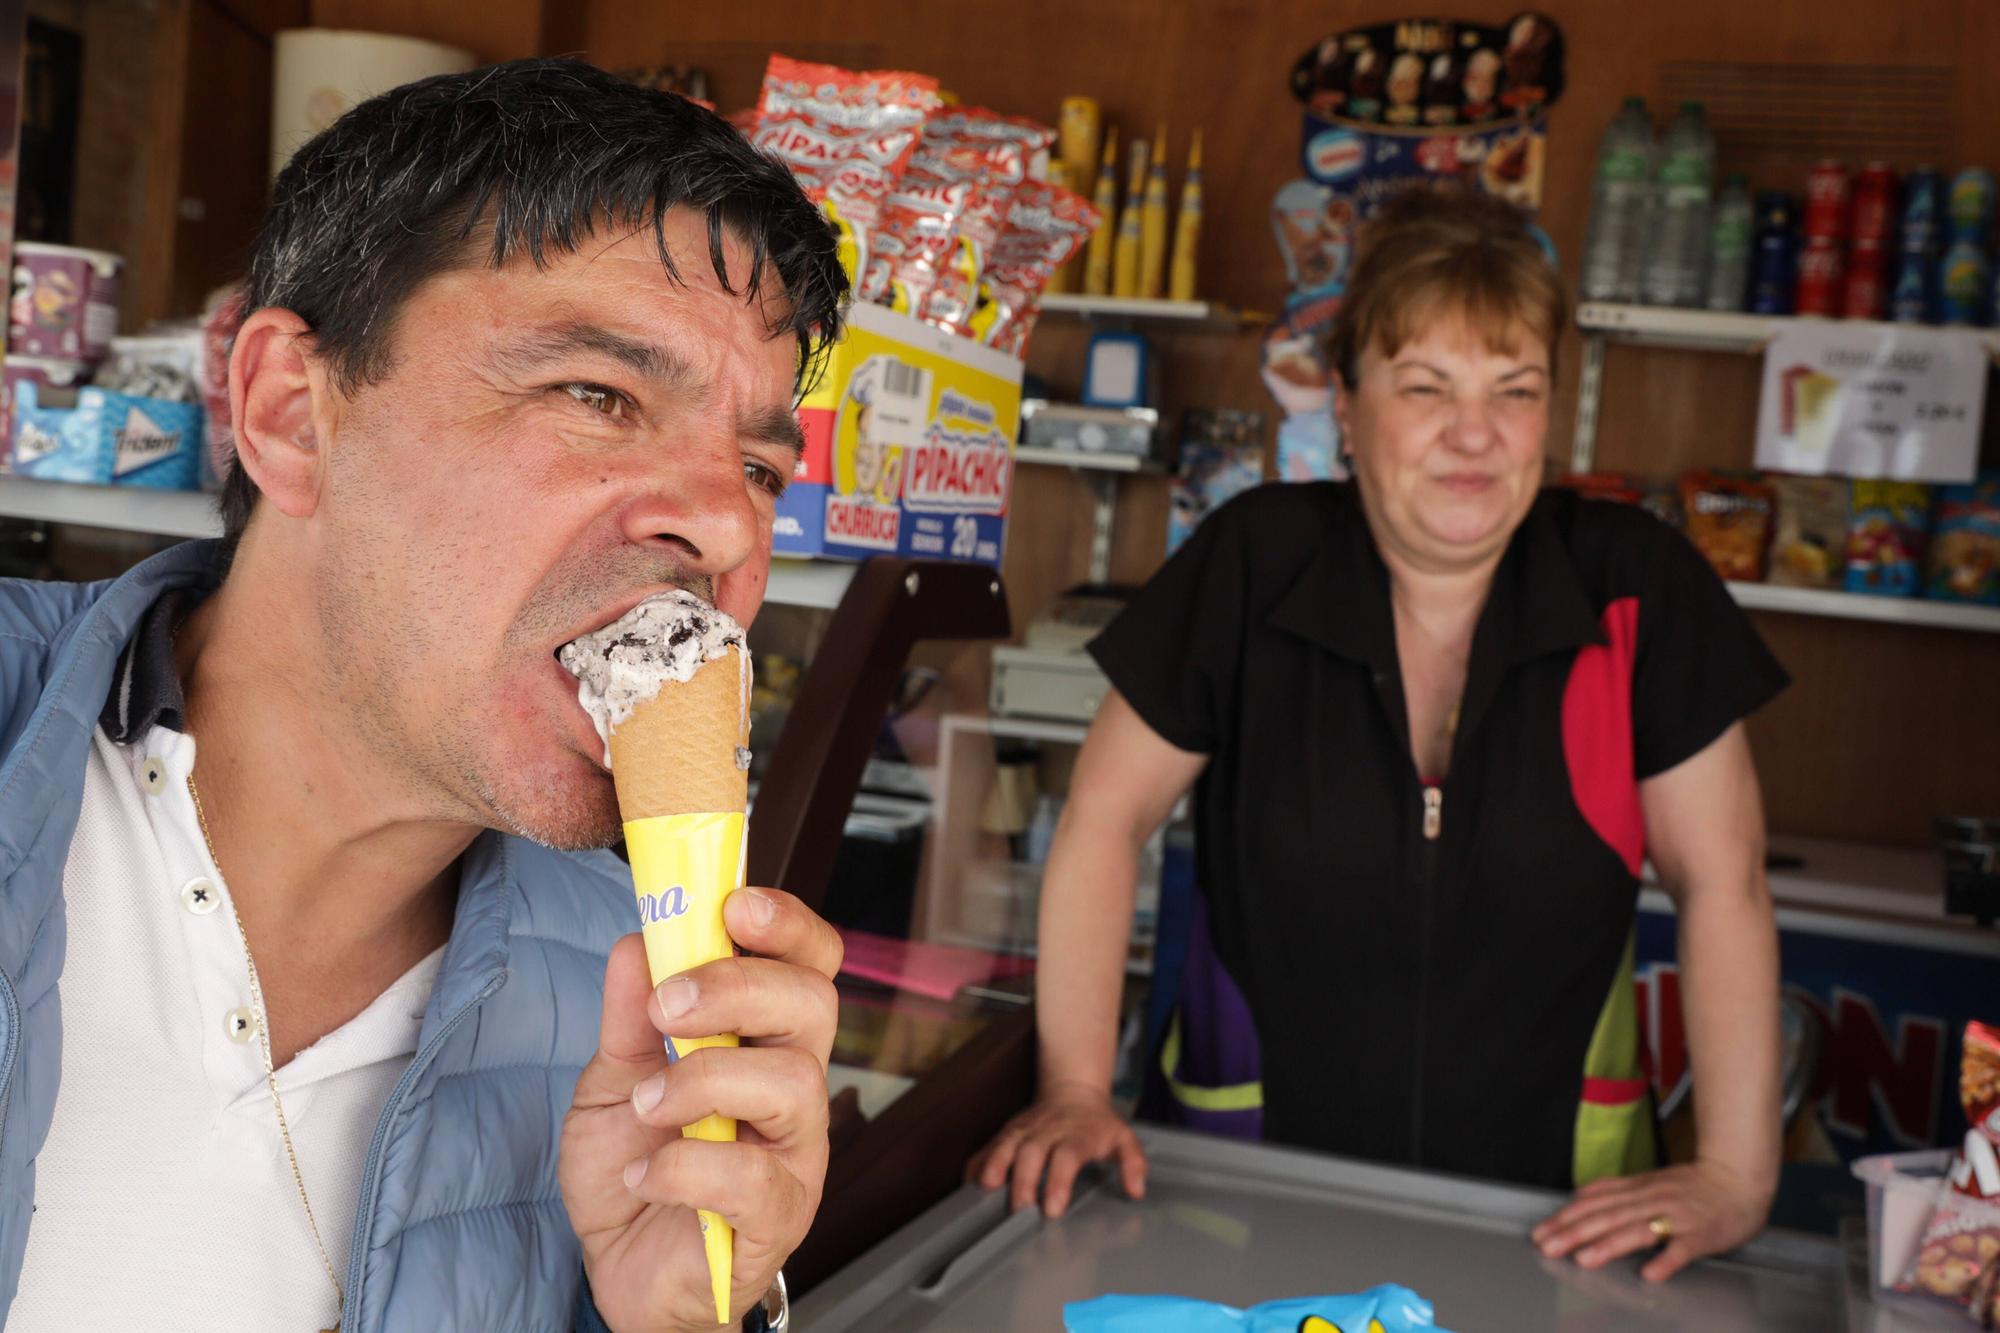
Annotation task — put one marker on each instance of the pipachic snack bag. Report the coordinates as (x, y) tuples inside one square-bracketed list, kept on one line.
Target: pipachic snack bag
[(913, 239), (847, 136), (1959, 1256), (1046, 224), (941, 223), (994, 155)]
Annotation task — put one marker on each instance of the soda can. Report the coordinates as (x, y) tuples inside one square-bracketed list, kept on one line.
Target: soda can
[(1963, 280), (1923, 210), (1874, 214), (1818, 291), (1774, 262), (1864, 291), (1826, 202), (1972, 204), (1913, 300)]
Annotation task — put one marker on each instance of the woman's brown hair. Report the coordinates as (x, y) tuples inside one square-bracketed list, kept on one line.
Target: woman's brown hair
[(1436, 252)]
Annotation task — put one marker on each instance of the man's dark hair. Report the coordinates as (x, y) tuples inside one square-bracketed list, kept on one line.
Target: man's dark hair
[(538, 153)]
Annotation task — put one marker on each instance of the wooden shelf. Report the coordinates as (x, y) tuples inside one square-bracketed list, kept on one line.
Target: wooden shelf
[(1859, 606), (1136, 310), (816, 584), (1718, 331)]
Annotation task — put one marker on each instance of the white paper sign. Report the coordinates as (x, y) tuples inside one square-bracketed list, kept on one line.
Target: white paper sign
[(1873, 400)]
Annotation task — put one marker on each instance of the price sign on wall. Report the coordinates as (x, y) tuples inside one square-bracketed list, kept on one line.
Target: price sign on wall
[(1873, 400)]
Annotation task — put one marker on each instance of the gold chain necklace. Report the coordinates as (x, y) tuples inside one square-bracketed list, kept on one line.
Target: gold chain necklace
[(271, 1071)]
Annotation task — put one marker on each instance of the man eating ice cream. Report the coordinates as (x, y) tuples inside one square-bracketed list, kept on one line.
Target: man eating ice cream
[(316, 1007)]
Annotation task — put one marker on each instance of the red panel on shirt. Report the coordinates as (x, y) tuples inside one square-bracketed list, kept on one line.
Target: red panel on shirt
[(1597, 735)]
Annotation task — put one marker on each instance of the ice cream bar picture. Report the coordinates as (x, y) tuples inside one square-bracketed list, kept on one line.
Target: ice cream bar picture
[(668, 685)]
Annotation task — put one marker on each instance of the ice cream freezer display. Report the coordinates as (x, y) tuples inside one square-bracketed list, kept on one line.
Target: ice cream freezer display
[(1242, 1224)]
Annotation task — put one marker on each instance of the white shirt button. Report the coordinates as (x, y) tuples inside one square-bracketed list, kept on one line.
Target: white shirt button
[(153, 773), (200, 896), (240, 1023)]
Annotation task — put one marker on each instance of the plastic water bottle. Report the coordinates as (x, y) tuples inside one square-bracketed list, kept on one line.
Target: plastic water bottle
[(1729, 242), (1615, 247), (1683, 186)]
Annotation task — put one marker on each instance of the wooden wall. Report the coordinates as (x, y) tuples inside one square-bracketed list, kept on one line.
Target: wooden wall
[(1885, 727)]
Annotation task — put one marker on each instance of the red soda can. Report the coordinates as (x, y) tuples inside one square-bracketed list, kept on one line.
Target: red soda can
[(1826, 202), (1819, 278), (1864, 291), (1874, 204)]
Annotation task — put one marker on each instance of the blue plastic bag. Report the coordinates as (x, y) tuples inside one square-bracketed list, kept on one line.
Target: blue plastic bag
[(1384, 1309)]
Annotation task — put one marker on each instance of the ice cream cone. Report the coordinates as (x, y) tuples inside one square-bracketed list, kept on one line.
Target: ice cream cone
[(674, 762), (668, 687), (676, 753)]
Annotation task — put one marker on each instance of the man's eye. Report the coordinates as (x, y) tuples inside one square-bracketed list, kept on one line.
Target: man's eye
[(599, 399), (765, 478), (1422, 391)]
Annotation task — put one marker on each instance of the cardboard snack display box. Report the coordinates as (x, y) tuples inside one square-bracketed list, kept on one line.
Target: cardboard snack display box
[(909, 447)]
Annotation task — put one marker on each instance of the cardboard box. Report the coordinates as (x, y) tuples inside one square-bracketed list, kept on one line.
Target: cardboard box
[(909, 447)]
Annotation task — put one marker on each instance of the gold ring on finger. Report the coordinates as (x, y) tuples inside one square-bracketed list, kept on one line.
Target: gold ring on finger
[(1662, 1227)]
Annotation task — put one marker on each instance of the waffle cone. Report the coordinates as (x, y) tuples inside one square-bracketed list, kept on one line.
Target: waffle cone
[(676, 753)]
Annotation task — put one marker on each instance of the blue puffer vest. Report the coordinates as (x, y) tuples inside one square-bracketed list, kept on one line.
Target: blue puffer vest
[(460, 1224)]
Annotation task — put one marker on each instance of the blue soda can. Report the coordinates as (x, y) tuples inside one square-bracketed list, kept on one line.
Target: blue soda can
[(1922, 221), (1913, 300), (1774, 262), (1972, 194)]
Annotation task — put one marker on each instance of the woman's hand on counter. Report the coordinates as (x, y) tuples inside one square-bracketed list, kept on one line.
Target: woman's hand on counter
[(1707, 1208), (1066, 1128)]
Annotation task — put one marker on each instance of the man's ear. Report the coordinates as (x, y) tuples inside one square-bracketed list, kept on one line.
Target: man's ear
[(280, 405)]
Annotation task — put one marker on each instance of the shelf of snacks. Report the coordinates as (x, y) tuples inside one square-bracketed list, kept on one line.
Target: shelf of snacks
[(1859, 606), (807, 583), (1199, 314), (1892, 552), (1713, 330)]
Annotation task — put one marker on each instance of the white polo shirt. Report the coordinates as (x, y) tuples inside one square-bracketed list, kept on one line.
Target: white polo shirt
[(163, 1197)]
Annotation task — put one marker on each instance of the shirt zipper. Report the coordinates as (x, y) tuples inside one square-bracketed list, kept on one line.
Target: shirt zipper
[(1433, 828)]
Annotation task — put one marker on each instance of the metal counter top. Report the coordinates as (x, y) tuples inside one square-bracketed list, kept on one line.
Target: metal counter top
[(1243, 1223)]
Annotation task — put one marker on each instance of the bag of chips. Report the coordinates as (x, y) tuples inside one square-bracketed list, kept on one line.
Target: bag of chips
[(1964, 560), (847, 136), (1885, 537), (938, 280), (1046, 224), (995, 155), (1810, 548), (1959, 1256), (1729, 521), (913, 241)]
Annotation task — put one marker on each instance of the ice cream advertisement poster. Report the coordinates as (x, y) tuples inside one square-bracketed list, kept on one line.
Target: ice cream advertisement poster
[(1873, 400), (909, 447)]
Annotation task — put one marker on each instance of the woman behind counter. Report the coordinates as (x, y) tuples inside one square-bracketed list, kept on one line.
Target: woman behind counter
[(1435, 721)]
